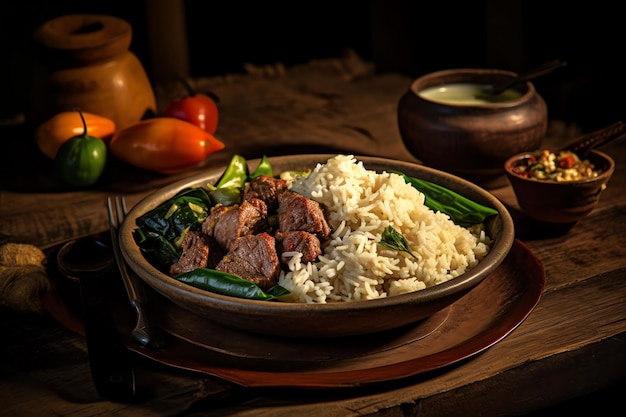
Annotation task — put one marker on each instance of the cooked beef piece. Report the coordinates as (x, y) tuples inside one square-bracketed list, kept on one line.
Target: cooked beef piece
[(304, 242), (226, 223), (297, 212), (267, 189), (253, 257), (199, 251)]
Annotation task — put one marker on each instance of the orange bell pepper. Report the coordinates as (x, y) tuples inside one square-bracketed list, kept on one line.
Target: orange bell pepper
[(163, 144), (63, 126)]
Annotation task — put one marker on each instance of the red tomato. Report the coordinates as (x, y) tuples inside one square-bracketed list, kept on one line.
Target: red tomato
[(198, 109)]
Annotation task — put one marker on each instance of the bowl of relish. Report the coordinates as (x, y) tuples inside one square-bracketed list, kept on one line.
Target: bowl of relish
[(558, 187)]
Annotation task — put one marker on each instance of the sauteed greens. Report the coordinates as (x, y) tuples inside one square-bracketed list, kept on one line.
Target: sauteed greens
[(160, 232)]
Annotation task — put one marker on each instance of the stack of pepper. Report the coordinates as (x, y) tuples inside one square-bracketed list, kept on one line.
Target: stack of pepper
[(180, 139)]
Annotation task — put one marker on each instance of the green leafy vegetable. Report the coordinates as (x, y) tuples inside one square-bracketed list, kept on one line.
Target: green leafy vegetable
[(461, 210), (161, 230), (392, 239), (229, 284)]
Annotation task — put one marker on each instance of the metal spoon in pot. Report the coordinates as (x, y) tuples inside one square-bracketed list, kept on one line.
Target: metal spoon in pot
[(87, 260), (498, 87)]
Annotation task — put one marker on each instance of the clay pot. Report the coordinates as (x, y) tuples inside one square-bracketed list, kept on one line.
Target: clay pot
[(467, 139), (86, 63)]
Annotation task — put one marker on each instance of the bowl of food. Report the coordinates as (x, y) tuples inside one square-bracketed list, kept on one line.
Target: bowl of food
[(450, 121), (559, 187), (317, 245)]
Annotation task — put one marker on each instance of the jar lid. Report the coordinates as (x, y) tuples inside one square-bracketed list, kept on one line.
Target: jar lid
[(85, 37)]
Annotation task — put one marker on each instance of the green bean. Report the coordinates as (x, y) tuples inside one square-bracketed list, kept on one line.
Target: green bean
[(461, 210), (228, 284)]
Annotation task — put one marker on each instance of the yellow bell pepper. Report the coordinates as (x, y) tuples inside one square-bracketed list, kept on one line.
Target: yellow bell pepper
[(63, 126)]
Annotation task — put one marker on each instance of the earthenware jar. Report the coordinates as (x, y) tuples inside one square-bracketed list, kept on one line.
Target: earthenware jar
[(85, 62), (470, 135)]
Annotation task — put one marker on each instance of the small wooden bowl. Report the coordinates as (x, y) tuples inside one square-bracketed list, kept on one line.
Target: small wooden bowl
[(562, 203)]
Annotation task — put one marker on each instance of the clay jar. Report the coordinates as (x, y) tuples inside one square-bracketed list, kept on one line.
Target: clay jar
[(468, 139), (86, 63)]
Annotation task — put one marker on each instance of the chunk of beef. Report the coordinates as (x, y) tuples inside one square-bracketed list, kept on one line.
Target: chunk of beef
[(297, 212), (254, 258), (267, 189), (199, 251), (297, 241), (226, 223)]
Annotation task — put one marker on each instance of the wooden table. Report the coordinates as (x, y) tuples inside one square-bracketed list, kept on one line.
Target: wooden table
[(573, 342)]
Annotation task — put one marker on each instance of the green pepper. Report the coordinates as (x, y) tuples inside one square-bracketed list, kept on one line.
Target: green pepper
[(229, 284), (228, 190), (236, 173), (226, 196), (80, 161), (461, 210), (264, 168)]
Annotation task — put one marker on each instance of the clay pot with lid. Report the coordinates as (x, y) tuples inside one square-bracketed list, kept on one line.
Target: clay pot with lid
[(471, 138), (86, 63)]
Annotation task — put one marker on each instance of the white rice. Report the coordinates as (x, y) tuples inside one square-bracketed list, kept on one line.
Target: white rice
[(360, 204)]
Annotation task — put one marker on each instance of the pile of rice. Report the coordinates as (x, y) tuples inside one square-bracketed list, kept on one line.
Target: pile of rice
[(360, 204)]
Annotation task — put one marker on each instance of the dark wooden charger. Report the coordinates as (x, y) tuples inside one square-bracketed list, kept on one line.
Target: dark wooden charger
[(472, 324)]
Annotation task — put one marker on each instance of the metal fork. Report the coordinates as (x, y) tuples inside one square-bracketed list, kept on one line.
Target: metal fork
[(142, 332)]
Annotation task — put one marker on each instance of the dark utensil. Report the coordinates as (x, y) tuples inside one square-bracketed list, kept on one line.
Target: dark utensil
[(143, 332), (544, 69), (88, 260), (586, 143)]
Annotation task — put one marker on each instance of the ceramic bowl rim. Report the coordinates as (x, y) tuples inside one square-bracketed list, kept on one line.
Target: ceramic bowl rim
[(155, 278), (430, 80)]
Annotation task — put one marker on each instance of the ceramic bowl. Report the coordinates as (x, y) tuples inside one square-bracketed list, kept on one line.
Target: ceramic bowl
[(560, 203), (331, 319), (448, 129)]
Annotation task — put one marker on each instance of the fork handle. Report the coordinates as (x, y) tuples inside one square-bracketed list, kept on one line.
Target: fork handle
[(109, 360), (143, 332)]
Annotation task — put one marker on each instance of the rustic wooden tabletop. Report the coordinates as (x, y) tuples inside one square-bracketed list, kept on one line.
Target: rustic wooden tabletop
[(571, 344)]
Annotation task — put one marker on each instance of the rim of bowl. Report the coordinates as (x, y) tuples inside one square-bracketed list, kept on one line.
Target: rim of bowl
[(140, 265), (510, 163), (441, 77)]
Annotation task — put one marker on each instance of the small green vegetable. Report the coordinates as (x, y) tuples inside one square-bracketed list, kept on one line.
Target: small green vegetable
[(229, 284), (291, 175), (235, 175), (80, 161), (392, 239), (264, 168), (461, 210), (226, 196), (228, 190)]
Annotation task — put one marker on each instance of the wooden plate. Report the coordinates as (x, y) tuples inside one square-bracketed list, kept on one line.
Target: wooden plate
[(477, 321)]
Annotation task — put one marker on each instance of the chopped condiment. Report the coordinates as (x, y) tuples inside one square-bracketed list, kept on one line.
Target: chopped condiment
[(561, 167)]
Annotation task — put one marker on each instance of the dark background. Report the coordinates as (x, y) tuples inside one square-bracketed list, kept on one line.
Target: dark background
[(410, 37)]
